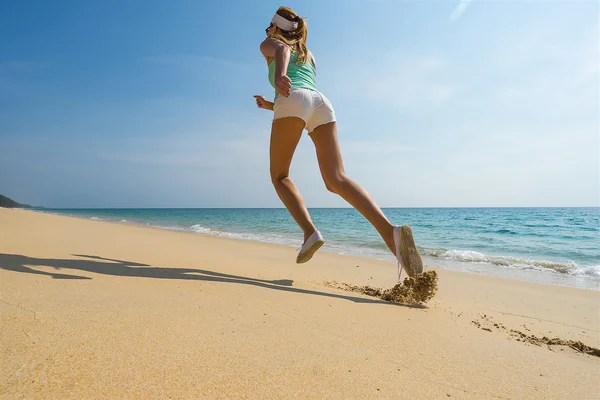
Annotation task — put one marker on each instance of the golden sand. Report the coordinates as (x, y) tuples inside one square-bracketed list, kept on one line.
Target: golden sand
[(91, 309)]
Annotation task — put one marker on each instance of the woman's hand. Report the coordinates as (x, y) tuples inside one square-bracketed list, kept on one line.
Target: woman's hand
[(283, 86), (261, 102)]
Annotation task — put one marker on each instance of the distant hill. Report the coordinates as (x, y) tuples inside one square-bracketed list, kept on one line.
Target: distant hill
[(10, 203)]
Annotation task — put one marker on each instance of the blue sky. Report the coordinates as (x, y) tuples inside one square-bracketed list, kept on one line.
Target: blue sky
[(439, 103)]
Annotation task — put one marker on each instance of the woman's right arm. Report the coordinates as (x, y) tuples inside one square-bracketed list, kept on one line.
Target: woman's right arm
[(273, 48)]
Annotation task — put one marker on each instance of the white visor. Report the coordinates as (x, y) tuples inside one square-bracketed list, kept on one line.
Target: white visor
[(283, 23)]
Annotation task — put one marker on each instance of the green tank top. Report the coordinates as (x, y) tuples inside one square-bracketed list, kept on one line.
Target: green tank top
[(302, 75)]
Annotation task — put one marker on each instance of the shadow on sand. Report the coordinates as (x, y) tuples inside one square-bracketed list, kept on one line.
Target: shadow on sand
[(107, 266)]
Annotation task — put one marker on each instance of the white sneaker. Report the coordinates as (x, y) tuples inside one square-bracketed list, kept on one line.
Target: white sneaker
[(310, 247), (397, 243), (406, 252)]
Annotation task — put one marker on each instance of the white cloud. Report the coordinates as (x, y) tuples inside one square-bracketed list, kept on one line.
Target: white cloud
[(536, 72), (460, 9), (518, 120), (413, 83)]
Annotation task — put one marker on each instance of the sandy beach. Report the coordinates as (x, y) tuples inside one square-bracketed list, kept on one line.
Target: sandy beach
[(93, 309)]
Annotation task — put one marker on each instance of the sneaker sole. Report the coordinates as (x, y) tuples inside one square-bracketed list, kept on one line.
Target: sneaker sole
[(413, 264), (310, 252)]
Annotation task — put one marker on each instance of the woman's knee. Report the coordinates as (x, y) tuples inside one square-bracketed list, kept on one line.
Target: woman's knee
[(277, 178), (336, 183)]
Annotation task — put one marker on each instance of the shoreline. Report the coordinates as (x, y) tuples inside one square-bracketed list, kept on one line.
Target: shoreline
[(538, 275)]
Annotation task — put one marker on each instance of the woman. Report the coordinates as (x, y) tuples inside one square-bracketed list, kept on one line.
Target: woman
[(299, 105)]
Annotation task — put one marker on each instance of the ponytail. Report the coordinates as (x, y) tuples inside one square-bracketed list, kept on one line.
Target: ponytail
[(296, 38)]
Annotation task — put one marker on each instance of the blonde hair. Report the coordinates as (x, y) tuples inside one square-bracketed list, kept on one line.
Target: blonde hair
[(297, 38)]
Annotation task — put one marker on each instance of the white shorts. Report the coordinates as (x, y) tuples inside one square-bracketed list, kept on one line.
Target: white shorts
[(311, 106)]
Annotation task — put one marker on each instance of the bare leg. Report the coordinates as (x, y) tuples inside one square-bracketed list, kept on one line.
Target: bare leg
[(336, 181), (285, 135)]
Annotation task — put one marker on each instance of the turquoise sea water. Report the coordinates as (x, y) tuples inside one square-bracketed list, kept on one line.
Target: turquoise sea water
[(550, 245)]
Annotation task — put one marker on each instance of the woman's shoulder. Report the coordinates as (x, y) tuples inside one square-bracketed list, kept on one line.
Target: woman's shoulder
[(269, 45)]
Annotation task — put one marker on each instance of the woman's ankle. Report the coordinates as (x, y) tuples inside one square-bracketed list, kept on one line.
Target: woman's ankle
[(308, 233)]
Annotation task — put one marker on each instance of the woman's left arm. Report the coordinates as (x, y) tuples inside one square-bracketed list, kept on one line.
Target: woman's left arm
[(261, 102)]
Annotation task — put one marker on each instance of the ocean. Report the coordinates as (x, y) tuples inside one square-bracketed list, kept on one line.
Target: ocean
[(549, 245)]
